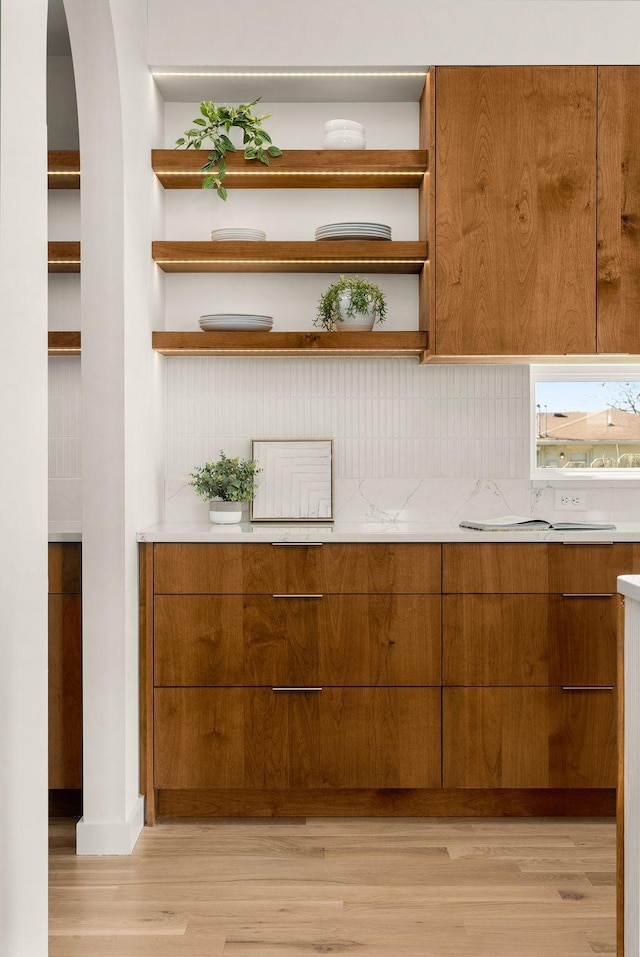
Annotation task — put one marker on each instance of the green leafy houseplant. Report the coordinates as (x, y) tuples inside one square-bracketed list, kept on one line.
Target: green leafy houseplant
[(213, 125), (232, 480), (363, 297)]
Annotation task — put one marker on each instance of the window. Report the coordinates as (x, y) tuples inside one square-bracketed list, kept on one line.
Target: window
[(585, 423)]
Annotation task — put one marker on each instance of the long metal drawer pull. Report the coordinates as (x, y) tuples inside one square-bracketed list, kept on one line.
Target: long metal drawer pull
[(298, 690), (587, 594), (588, 687), (297, 596), (297, 544), (580, 544)]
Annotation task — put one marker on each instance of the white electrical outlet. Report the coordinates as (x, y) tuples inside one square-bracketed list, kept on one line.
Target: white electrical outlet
[(570, 501)]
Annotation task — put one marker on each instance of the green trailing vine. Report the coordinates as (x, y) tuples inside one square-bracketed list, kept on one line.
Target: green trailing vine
[(365, 296), (214, 125)]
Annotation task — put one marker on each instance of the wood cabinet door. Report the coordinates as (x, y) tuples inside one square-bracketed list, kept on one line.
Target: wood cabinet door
[(515, 239), (65, 568), (286, 640), (546, 567), (529, 640), (285, 567), (529, 738), (589, 569), (499, 567), (65, 691), (334, 738), (618, 254)]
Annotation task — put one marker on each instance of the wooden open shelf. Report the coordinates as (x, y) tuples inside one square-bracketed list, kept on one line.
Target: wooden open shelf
[(298, 169), (344, 256), (64, 343), (63, 169), (64, 257), (291, 343)]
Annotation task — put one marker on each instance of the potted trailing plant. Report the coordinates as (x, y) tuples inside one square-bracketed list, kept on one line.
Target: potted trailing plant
[(226, 485), (352, 304), (214, 125)]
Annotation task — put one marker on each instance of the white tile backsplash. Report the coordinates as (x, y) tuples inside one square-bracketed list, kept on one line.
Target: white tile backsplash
[(411, 443)]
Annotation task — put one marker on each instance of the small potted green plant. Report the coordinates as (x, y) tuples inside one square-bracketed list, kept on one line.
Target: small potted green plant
[(226, 485), (214, 125), (352, 305)]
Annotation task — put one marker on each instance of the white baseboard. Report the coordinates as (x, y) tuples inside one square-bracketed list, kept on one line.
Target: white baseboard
[(111, 837)]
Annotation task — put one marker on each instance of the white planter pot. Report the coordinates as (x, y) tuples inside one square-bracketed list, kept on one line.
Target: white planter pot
[(225, 513), (359, 322)]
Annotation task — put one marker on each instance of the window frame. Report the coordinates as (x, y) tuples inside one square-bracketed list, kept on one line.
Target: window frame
[(559, 477)]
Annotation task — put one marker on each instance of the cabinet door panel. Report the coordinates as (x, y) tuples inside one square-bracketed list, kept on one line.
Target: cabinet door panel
[(515, 210), (528, 738), (65, 568), (257, 738), (333, 640), (522, 568), (65, 691), (618, 209), (499, 567), (528, 640), (588, 568), (268, 569)]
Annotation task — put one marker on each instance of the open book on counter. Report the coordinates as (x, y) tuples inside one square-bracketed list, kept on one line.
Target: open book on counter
[(518, 523)]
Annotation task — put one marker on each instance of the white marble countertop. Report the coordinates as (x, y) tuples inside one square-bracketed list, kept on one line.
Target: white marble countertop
[(629, 585), (65, 532), (372, 532)]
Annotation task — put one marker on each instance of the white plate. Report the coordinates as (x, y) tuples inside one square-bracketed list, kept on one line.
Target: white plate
[(368, 225), (245, 322), (235, 325), (352, 229), (237, 315), (240, 235)]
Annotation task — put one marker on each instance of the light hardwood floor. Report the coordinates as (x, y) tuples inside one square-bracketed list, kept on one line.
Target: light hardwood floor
[(358, 886)]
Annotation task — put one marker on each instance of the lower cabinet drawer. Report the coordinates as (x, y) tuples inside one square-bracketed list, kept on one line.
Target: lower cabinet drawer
[(506, 640), (334, 738), (208, 640), (529, 738)]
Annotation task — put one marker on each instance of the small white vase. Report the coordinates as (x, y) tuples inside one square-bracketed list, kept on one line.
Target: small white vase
[(225, 513), (359, 322)]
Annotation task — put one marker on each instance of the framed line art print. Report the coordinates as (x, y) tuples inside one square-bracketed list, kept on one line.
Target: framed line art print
[(296, 481)]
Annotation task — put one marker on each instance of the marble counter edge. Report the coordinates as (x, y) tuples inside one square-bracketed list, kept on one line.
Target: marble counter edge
[(415, 532), (629, 586), (64, 532)]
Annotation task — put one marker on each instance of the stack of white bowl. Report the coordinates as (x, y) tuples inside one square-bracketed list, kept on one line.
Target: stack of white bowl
[(343, 135)]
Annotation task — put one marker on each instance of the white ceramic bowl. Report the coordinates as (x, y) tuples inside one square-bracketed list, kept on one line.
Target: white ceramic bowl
[(344, 140), (332, 126)]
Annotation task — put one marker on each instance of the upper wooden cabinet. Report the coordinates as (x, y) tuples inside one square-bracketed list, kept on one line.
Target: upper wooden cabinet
[(515, 210), (618, 208), (537, 174)]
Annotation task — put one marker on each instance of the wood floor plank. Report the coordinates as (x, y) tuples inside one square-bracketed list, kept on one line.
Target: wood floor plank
[(367, 887), (110, 946)]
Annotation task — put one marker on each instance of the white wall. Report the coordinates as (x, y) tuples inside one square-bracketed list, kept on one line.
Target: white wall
[(23, 482), (366, 32)]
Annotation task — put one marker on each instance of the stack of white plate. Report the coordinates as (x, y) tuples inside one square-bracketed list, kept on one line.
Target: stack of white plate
[(235, 322), (354, 231), (238, 235)]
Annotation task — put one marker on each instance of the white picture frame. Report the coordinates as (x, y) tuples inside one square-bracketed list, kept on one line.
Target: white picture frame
[(295, 483)]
